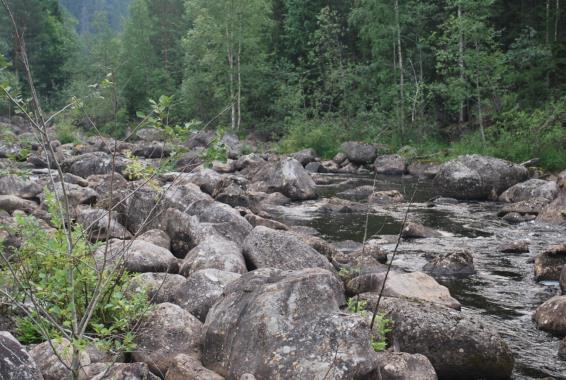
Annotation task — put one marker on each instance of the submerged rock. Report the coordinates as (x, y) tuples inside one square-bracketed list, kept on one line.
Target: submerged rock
[(418, 231), (521, 246), (453, 264), (551, 316)]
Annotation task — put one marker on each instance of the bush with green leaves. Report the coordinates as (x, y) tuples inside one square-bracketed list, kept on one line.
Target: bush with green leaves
[(63, 283), (382, 325)]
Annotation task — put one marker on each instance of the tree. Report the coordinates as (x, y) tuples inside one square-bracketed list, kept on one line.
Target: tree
[(469, 59), (49, 40), (226, 52), (151, 54)]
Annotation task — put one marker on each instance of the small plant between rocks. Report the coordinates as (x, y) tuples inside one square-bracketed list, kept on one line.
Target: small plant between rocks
[(382, 325)]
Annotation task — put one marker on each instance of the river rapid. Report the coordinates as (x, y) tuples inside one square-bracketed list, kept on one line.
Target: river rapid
[(502, 293)]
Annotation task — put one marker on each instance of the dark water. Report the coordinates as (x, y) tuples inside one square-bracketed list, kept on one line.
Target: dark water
[(502, 293)]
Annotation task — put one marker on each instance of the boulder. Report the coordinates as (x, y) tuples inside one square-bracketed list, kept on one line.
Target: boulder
[(214, 253), (458, 346), (555, 211), (189, 161), (549, 263), (477, 177), (188, 368), (551, 316), (15, 362), (533, 188), (359, 192), (11, 203), (232, 145), (76, 195), (453, 264), (531, 207), (315, 167), (20, 187), (404, 366), (200, 139), (156, 237), (166, 332), (98, 225), (267, 324), (563, 280), (359, 152), (125, 371), (305, 156), (201, 290), (151, 134), (152, 150), (392, 164), (520, 246), (93, 163), (418, 231), (288, 177), (423, 169), (159, 287), (339, 158), (416, 286), (386, 197), (267, 248), (49, 362), (137, 256)]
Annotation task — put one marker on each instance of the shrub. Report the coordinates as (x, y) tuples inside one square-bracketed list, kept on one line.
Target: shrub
[(382, 325), (66, 133), (64, 283)]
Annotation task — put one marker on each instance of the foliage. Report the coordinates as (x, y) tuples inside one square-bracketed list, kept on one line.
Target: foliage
[(216, 150), (381, 327), (66, 132), (43, 265), (322, 136)]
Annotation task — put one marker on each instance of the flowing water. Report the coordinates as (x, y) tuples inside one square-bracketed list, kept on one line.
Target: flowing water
[(502, 293)]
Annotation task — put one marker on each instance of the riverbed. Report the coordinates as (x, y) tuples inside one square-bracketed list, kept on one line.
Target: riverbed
[(502, 293)]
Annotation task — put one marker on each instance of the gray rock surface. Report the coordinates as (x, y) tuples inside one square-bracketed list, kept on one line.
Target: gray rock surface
[(267, 248), (267, 324), (359, 152), (15, 362)]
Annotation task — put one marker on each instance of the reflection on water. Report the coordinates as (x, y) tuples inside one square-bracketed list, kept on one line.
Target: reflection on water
[(502, 292)]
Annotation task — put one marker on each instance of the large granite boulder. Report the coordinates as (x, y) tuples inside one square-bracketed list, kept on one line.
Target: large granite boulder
[(136, 256), (166, 332), (477, 177), (359, 152), (555, 211), (286, 176), (416, 286), (15, 362), (267, 248), (392, 164), (458, 346), (287, 325), (532, 188), (201, 290), (214, 253)]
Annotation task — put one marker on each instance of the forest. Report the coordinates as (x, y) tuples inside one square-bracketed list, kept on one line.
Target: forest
[(432, 78)]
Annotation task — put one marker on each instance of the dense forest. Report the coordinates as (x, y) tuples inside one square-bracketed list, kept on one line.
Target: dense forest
[(442, 77)]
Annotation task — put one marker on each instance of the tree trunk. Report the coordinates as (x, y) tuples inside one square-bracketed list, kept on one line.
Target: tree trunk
[(461, 61), (480, 114), (401, 73), (556, 18)]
